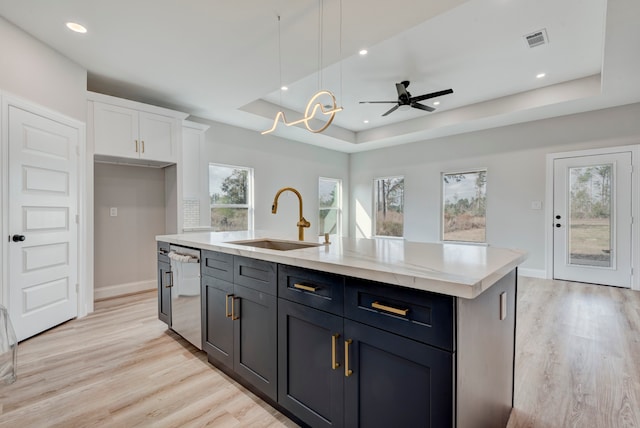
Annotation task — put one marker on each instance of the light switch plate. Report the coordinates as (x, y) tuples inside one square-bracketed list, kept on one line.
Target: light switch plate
[(113, 212)]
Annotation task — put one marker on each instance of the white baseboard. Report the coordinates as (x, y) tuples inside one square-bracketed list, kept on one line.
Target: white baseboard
[(108, 291), (533, 273)]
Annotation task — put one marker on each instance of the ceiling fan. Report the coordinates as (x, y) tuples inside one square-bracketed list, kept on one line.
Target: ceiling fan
[(405, 98)]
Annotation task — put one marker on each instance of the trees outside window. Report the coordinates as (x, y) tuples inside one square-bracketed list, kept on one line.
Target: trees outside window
[(464, 206), (330, 204), (231, 197), (389, 206)]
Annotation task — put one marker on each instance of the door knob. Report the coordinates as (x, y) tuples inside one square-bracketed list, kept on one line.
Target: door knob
[(18, 238)]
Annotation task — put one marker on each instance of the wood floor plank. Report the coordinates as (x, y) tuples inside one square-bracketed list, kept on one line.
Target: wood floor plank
[(577, 365)]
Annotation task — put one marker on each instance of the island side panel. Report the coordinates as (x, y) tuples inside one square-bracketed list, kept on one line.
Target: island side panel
[(485, 356)]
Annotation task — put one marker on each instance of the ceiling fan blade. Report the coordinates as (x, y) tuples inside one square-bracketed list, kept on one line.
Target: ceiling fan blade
[(377, 102), (432, 95), (394, 108), (422, 107)]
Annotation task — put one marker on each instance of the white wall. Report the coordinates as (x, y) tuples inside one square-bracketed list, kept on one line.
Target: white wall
[(515, 157), (278, 163), (34, 71), (124, 246)]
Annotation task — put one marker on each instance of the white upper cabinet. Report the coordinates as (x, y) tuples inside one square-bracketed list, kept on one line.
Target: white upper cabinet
[(127, 130)]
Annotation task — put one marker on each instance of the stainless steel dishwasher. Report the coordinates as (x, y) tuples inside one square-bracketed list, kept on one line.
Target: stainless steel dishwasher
[(185, 293)]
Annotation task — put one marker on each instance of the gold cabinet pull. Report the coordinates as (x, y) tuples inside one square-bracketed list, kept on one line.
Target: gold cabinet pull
[(401, 312), (334, 363), (233, 308), (136, 146), (168, 275), (305, 287), (347, 371), (142, 146), (226, 306)]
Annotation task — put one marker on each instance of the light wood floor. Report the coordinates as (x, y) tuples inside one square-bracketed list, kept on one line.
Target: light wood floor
[(577, 356), (578, 365)]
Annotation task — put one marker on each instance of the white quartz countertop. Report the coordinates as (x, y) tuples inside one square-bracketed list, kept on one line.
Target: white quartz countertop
[(452, 269)]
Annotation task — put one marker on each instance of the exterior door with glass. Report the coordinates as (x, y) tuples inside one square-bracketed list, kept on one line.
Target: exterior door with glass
[(592, 219)]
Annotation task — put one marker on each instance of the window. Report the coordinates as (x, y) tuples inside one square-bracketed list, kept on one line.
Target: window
[(231, 196), (330, 203), (389, 206), (464, 206)]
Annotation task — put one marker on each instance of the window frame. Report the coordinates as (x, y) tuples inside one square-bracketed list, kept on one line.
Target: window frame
[(442, 205), (337, 208), (375, 207), (250, 193)]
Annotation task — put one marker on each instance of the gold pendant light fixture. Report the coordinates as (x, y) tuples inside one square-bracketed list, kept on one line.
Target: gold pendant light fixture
[(323, 101)]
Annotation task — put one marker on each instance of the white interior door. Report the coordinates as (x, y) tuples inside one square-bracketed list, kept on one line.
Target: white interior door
[(43, 200), (592, 219)]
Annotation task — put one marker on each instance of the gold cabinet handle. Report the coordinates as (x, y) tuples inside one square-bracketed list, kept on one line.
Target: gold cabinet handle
[(142, 146), (168, 275), (305, 287), (347, 371), (136, 146), (226, 306), (334, 363), (233, 308), (401, 312)]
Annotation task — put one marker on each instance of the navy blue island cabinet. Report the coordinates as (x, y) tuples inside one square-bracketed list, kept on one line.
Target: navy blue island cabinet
[(239, 324), (330, 350)]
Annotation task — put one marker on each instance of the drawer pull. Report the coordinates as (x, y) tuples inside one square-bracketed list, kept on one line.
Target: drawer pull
[(347, 371), (305, 287), (136, 146), (334, 339), (233, 308), (226, 305), (168, 275), (401, 312)]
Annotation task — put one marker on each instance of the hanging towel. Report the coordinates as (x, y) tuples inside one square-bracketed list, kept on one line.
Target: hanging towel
[(8, 349), (184, 258)]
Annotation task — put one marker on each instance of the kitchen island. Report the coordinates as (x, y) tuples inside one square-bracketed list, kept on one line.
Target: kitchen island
[(362, 332)]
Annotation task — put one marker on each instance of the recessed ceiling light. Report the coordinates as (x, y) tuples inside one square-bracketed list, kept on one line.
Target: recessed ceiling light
[(366, 121), (540, 75), (73, 26), (363, 52), (436, 103), (285, 88)]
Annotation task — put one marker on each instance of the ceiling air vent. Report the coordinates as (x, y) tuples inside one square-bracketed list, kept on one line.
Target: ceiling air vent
[(537, 38)]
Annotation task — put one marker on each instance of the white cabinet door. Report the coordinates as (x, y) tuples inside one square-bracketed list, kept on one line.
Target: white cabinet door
[(115, 131), (157, 137)]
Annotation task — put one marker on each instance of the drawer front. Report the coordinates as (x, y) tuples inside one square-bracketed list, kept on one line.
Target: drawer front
[(163, 251), (418, 315), (256, 274), (320, 290), (217, 265)]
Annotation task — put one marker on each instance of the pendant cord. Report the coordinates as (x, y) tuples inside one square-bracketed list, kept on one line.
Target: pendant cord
[(340, 51), (280, 58), (320, 34)]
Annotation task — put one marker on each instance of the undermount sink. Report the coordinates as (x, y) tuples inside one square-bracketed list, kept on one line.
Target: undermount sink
[(275, 244)]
